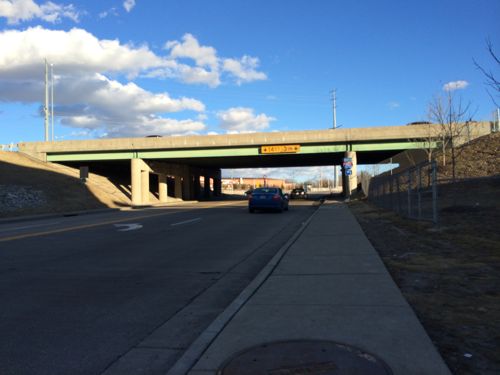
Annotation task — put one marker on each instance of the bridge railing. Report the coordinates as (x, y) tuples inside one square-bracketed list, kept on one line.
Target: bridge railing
[(8, 147)]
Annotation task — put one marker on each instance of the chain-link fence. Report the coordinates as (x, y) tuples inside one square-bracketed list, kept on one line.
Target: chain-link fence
[(411, 193)]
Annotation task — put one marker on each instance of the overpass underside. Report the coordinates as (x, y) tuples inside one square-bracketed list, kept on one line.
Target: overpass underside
[(191, 166), (249, 157), (196, 174)]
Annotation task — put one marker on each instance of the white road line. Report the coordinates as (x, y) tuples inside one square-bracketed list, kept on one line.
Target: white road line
[(186, 222), (127, 227)]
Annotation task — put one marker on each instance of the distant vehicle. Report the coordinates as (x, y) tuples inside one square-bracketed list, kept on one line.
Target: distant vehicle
[(267, 199), (153, 136), (248, 192), (419, 123), (298, 193)]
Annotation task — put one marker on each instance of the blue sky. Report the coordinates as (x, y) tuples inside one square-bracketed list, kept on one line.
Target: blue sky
[(133, 68)]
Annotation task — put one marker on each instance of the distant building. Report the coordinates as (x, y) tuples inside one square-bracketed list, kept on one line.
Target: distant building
[(244, 183)]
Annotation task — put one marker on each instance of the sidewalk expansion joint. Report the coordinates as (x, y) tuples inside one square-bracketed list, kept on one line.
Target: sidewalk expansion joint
[(158, 347)]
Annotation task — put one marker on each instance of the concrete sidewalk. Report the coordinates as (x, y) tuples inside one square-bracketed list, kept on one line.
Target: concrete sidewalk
[(330, 285)]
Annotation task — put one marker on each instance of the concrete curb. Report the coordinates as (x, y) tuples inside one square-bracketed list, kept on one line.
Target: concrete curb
[(198, 347)]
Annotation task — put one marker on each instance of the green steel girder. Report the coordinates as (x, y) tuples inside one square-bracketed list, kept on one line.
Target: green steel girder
[(230, 152)]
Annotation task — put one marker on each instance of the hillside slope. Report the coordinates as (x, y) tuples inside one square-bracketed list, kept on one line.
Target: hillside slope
[(29, 186), (449, 273), (479, 158)]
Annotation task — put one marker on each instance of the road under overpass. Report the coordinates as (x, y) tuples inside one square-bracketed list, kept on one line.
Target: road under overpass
[(185, 159)]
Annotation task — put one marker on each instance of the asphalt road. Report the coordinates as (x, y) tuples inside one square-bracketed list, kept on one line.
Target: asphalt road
[(80, 293)]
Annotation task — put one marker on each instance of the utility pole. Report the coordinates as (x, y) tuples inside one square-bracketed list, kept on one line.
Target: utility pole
[(334, 100), (46, 108)]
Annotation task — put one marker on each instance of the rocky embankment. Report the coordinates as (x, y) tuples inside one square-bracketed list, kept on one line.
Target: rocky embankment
[(29, 187)]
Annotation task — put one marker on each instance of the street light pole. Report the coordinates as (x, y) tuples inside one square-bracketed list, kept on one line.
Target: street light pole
[(46, 108), (52, 98), (335, 109), (334, 99)]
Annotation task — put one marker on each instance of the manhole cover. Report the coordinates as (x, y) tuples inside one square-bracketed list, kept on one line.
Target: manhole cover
[(304, 358)]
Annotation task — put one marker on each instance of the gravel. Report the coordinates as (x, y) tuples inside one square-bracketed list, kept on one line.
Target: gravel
[(16, 197)]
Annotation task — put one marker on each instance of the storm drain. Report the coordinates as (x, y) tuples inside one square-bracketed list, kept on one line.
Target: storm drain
[(304, 357)]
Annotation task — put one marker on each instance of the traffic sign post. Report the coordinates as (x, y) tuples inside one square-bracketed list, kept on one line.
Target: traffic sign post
[(349, 173)]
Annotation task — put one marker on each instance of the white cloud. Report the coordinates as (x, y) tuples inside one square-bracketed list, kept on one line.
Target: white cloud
[(77, 50), (122, 109), (393, 105), (25, 10), (73, 51), (145, 126), (128, 5), (455, 85), (109, 12), (86, 98), (190, 48), (208, 66), (240, 119), (244, 69)]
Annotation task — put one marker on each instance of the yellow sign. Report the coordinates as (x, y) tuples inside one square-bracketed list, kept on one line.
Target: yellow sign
[(279, 149)]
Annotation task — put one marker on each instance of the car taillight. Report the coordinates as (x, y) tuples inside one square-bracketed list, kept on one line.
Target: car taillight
[(276, 197)]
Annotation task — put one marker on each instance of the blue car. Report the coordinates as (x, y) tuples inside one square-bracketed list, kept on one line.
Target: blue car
[(267, 199)]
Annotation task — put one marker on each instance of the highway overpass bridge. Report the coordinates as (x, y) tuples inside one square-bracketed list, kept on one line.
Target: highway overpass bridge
[(186, 159)]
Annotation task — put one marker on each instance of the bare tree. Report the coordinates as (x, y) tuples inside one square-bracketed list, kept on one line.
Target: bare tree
[(453, 117), (428, 142), (365, 179), (491, 81)]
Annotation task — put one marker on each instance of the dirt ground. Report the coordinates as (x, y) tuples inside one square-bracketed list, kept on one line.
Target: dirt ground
[(58, 186), (450, 275)]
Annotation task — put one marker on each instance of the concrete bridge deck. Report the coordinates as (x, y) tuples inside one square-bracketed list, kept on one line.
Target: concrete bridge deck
[(186, 158)]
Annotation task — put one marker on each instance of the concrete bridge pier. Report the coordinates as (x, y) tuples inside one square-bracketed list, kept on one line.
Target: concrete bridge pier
[(206, 186), (135, 167), (144, 186), (350, 182), (187, 183), (217, 183), (162, 187), (196, 186), (139, 181), (178, 186)]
